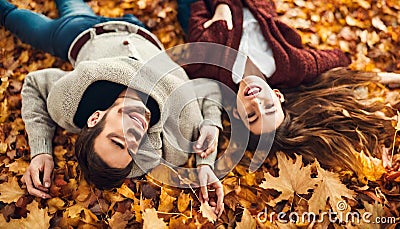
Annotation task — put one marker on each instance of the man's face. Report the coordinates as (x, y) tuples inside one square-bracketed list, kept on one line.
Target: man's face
[(125, 125), (258, 106)]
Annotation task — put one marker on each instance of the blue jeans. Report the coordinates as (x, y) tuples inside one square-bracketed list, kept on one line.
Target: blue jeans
[(184, 13), (54, 35)]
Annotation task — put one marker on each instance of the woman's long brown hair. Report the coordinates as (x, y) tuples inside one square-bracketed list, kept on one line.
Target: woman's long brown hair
[(329, 120)]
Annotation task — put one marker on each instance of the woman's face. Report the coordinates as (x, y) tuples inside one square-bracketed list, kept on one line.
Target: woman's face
[(258, 106)]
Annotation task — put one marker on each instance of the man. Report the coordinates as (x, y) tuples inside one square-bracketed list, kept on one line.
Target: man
[(129, 101)]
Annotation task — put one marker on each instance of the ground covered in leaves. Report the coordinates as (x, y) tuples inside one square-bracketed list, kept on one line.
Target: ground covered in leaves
[(368, 29)]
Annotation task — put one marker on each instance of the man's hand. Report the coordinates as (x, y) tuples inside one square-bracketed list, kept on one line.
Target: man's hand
[(41, 163), (389, 78), (223, 13), (208, 141), (208, 178)]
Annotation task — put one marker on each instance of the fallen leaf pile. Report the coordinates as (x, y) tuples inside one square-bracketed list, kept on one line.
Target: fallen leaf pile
[(271, 197)]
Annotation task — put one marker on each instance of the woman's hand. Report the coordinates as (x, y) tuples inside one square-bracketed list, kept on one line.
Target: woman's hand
[(223, 13), (390, 79), (208, 179), (208, 140), (41, 163)]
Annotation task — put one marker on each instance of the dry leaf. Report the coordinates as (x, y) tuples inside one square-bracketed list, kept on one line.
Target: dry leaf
[(126, 191), (183, 201), (18, 167), (166, 201), (55, 204), (247, 222), (293, 178), (207, 212), (151, 220), (117, 221), (372, 167), (329, 186), (10, 191)]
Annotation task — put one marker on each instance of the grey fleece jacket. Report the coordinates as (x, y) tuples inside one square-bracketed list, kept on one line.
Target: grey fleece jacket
[(51, 97)]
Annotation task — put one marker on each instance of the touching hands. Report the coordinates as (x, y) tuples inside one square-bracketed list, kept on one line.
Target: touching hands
[(223, 13), (390, 78), (42, 163), (208, 141), (208, 179)]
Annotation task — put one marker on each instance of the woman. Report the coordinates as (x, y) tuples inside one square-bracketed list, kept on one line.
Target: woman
[(115, 98), (270, 53)]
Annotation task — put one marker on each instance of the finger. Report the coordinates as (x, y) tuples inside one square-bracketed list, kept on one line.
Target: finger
[(36, 179), (220, 201), (33, 191), (200, 142), (208, 23), (48, 169), (204, 193)]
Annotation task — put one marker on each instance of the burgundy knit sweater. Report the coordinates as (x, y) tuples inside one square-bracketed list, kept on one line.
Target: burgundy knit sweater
[(295, 64)]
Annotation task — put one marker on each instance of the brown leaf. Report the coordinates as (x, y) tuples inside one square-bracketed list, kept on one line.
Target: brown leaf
[(55, 204), (10, 191), (126, 191), (329, 186), (151, 220), (293, 178), (207, 212), (372, 167), (118, 221), (166, 201), (247, 222), (184, 201)]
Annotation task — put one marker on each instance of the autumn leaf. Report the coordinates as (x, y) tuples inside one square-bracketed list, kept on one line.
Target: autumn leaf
[(207, 212), (126, 192), (329, 187), (55, 204), (18, 167), (183, 201), (37, 219), (293, 178), (118, 221), (372, 167), (166, 201), (151, 220), (247, 222), (10, 191)]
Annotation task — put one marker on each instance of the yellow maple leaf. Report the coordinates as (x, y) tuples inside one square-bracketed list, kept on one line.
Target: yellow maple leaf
[(329, 186), (372, 167), (247, 222), (166, 201), (37, 218), (10, 191), (183, 201), (125, 191), (151, 220), (18, 167), (55, 204), (293, 178)]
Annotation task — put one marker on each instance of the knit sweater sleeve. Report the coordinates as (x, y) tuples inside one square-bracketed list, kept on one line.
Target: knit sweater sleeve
[(210, 99), (38, 123), (216, 33)]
